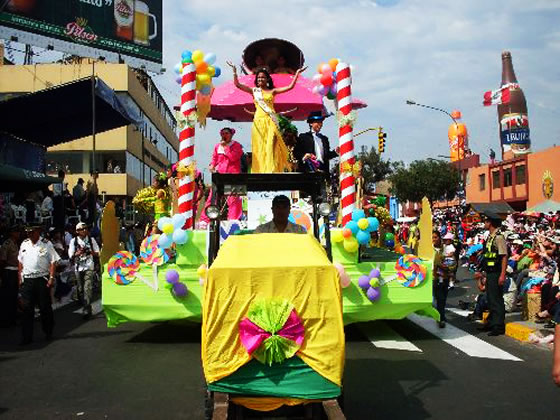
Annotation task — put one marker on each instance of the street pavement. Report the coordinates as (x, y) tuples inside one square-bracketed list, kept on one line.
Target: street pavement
[(406, 369)]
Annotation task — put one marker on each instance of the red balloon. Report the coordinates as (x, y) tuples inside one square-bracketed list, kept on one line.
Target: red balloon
[(326, 80)]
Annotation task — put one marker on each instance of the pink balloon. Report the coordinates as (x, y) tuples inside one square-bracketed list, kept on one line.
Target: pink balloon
[(323, 90), (326, 69), (315, 90), (345, 281), (317, 77)]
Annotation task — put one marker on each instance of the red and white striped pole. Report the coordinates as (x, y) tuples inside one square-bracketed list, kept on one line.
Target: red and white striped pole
[(186, 143), (345, 141)]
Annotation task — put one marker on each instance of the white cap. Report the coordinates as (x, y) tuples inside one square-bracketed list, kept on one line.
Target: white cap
[(81, 225)]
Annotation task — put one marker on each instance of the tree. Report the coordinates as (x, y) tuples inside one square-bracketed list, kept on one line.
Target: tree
[(375, 169), (431, 178)]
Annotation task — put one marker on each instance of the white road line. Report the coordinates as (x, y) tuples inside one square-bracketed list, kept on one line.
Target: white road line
[(461, 312), (96, 308), (384, 337), (462, 340)]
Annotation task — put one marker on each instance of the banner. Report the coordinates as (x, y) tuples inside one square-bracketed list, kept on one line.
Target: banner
[(514, 133), (118, 30)]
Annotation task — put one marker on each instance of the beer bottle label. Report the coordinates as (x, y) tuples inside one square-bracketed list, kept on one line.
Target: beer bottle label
[(124, 12)]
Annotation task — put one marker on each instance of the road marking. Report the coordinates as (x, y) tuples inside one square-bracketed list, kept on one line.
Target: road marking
[(384, 337), (461, 340), (461, 312), (96, 308)]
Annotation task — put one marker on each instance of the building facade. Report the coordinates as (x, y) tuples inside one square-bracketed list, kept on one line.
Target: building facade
[(127, 158)]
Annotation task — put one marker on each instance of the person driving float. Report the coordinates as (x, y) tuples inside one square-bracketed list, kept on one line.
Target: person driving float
[(280, 215)]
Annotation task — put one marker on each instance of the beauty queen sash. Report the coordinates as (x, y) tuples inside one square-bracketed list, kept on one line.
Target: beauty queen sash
[(258, 95)]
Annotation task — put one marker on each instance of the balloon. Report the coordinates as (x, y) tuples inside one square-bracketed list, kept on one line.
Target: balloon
[(336, 236), (163, 221), (206, 89), (346, 233), (178, 220), (186, 55), (374, 282), (326, 80), (180, 290), (178, 68), (197, 56), (317, 78), (218, 71), (363, 282), (172, 276), (320, 68), (168, 228), (331, 96), (351, 245), (315, 90), (326, 70), (401, 250), (390, 243), (333, 88), (373, 294), (358, 214), (345, 281), (333, 63), (344, 277), (353, 226), (375, 273), (164, 241), (389, 236), (201, 67), (363, 223), (323, 90), (202, 270), (203, 79), (210, 58), (180, 236), (211, 71), (373, 224), (334, 75), (362, 237), (179, 79)]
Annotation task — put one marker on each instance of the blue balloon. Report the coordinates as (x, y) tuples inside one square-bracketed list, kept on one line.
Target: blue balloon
[(164, 241), (218, 71), (210, 58), (180, 237), (390, 243), (358, 214), (163, 221), (186, 55), (206, 89), (363, 237), (334, 75), (373, 224), (177, 68), (178, 220), (353, 226), (179, 80)]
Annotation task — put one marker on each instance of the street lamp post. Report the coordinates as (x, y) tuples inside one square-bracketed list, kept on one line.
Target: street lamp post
[(409, 102)]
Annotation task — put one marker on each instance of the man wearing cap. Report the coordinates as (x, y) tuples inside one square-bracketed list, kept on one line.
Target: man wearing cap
[(9, 284), (82, 250), (312, 150), (280, 215), (36, 270), (495, 265)]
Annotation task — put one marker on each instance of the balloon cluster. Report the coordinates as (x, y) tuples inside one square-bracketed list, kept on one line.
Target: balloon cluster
[(357, 231), (382, 215), (173, 232), (370, 284), (325, 79), (205, 69), (179, 289)]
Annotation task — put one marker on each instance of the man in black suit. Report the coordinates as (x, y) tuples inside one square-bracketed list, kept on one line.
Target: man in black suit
[(312, 150)]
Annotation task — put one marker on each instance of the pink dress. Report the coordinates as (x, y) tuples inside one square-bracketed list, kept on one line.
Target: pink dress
[(226, 160)]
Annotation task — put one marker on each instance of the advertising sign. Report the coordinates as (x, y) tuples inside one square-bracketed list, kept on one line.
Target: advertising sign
[(118, 30), (514, 133)]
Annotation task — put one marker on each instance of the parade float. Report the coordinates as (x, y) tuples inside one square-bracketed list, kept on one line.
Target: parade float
[(272, 306)]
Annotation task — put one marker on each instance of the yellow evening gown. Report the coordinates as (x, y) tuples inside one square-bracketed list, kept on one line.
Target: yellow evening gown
[(269, 153)]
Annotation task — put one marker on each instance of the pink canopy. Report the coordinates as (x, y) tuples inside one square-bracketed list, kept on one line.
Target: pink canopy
[(232, 104)]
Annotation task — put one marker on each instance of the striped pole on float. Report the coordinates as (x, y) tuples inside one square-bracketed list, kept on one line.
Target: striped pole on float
[(345, 141), (186, 142)]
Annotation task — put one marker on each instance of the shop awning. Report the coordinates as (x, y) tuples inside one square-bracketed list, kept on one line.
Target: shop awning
[(12, 178), (64, 112), (547, 206)]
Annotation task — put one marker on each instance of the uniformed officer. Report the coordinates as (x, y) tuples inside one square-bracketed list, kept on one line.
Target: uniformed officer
[(36, 269), (495, 264)]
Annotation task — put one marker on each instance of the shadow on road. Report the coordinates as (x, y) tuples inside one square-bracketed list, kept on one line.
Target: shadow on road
[(169, 333)]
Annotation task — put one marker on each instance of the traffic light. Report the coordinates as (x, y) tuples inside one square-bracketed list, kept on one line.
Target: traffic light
[(381, 136)]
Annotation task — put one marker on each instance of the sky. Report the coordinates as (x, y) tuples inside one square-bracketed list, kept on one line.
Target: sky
[(440, 53)]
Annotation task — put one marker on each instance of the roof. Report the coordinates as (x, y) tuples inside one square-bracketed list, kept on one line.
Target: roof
[(500, 207), (546, 206), (12, 178)]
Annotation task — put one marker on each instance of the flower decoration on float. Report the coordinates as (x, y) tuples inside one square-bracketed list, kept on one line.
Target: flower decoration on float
[(370, 284), (354, 169), (173, 232), (356, 232), (172, 282), (347, 119), (325, 79)]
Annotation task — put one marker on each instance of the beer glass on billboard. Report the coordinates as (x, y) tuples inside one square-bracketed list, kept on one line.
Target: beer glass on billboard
[(142, 17), (20, 6), (124, 18)]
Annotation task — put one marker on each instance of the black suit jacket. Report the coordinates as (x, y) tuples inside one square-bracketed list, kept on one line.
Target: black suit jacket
[(306, 144)]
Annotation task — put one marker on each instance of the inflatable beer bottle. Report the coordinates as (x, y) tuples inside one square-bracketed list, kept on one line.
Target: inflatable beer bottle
[(512, 116)]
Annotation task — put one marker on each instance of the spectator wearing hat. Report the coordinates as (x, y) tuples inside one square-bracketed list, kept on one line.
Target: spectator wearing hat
[(312, 150), (36, 273), (495, 264), (82, 251), (449, 261), (9, 285), (280, 215)]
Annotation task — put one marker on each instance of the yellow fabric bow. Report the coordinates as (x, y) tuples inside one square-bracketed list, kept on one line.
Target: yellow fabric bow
[(355, 169), (348, 119), (185, 121), (186, 170)]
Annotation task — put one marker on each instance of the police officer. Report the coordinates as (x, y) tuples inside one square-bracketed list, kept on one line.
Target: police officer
[(495, 264), (36, 269)]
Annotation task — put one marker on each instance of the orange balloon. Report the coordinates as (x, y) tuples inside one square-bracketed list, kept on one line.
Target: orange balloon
[(457, 134), (333, 62), (320, 68), (346, 233), (201, 67)]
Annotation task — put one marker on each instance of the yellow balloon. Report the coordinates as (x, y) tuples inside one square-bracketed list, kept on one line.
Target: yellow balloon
[(168, 228), (211, 71), (351, 244), (363, 223), (336, 236), (203, 79), (202, 270), (197, 56)]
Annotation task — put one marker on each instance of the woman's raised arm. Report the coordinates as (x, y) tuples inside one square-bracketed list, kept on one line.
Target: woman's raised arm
[(236, 82), (291, 85)]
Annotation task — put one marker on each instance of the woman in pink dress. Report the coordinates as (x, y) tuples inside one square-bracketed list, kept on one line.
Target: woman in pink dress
[(226, 159)]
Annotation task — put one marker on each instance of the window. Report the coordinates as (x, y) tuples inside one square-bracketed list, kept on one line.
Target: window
[(508, 177), (520, 175), (495, 179), (482, 182)]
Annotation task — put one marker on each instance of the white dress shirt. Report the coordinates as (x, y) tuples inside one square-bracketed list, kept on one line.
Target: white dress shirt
[(318, 146), (37, 258)]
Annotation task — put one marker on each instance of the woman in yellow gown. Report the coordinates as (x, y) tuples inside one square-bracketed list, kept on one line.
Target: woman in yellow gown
[(269, 153)]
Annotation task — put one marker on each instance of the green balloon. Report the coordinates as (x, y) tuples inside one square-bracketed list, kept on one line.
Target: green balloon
[(389, 236)]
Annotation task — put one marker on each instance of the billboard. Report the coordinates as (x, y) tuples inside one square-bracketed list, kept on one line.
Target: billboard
[(118, 30)]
